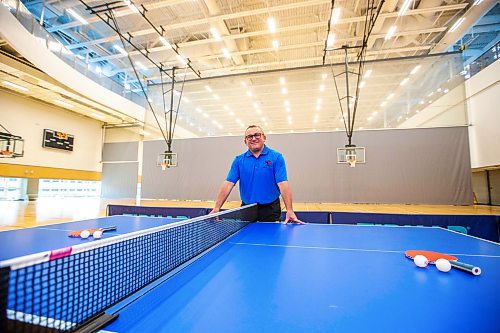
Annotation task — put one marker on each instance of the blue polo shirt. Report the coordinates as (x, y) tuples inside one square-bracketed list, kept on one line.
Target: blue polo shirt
[(259, 177)]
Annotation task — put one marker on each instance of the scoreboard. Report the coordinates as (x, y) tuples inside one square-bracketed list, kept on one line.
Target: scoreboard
[(58, 140)]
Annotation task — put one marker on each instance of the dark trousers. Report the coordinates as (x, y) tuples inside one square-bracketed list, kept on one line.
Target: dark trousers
[(270, 212)]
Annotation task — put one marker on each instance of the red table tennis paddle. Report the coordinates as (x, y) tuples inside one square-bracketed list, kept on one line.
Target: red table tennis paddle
[(76, 233), (433, 256)]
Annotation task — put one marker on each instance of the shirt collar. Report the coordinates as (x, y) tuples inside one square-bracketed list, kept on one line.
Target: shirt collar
[(265, 151)]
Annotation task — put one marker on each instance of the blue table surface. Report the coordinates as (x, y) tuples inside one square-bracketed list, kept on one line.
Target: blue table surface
[(323, 278), (17, 243)]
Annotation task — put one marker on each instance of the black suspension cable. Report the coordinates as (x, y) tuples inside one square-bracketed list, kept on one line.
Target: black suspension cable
[(112, 16)]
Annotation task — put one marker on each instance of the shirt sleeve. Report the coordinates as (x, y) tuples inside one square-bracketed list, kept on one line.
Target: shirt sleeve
[(280, 169), (234, 173)]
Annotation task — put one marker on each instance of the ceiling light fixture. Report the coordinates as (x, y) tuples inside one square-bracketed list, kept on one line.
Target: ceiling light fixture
[(165, 42), (132, 7), (226, 53), (335, 16), (457, 24), (97, 115), (215, 33), (271, 24), (120, 49), (77, 16), (330, 40), (404, 8), (15, 86), (390, 32), (181, 59), (63, 103), (141, 66), (415, 69)]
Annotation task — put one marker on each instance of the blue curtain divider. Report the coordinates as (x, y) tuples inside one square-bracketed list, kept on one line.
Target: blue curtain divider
[(482, 226), (188, 212)]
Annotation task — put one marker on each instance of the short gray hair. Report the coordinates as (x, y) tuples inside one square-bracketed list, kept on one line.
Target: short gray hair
[(255, 126)]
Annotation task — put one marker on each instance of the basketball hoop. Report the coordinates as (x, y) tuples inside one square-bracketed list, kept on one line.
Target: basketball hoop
[(167, 160), (11, 146), (6, 153), (351, 155), (352, 162)]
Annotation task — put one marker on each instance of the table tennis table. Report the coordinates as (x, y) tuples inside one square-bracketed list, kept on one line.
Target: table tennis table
[(271, 277), (22, 242)]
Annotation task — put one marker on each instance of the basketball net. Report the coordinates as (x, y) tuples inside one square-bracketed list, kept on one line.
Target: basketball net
[(165, 165), (351, 160)]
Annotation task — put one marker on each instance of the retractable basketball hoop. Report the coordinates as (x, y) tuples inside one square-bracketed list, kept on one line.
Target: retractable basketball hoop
[(352, 75), (11, 146), (167, 160), (351, 155), (106, 13)]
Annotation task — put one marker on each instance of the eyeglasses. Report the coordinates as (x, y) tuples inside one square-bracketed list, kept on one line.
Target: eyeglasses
[(253, 136)]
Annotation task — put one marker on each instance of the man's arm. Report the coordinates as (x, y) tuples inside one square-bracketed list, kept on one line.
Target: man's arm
[(224, 192), (286, 194)]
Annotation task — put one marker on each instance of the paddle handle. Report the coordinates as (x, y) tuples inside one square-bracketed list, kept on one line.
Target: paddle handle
[(466, 267)]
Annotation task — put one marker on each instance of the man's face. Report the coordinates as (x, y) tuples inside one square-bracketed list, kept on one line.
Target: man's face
[(255, 139)]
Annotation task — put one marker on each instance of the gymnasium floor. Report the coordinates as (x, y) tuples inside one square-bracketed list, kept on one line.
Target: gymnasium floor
[(23, 214)]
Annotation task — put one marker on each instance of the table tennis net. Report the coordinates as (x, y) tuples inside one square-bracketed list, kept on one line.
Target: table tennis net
[(63, 291)]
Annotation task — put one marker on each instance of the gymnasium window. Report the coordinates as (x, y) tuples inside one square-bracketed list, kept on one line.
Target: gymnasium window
[(12, 188), (68, 188)]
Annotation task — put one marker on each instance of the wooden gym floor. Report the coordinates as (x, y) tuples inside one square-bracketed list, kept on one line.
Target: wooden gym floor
[(24, 214)]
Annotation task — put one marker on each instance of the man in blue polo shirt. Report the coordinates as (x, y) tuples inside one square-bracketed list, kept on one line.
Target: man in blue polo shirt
[(262, 175)]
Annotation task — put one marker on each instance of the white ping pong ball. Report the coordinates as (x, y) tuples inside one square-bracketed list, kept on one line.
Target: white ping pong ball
[(420, 260), (443, 265), (97, 234), (85, 234)]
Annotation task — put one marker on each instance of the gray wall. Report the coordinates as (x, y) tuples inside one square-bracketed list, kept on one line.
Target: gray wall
[(485, 192), (428, 166), (119, 170)]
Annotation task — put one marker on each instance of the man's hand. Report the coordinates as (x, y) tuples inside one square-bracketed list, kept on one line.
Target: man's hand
[(215, 210), (292, 218)]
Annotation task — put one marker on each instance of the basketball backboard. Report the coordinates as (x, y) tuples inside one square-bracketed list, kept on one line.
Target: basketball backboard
[(167, 160), (351, 155), (11, 146)]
